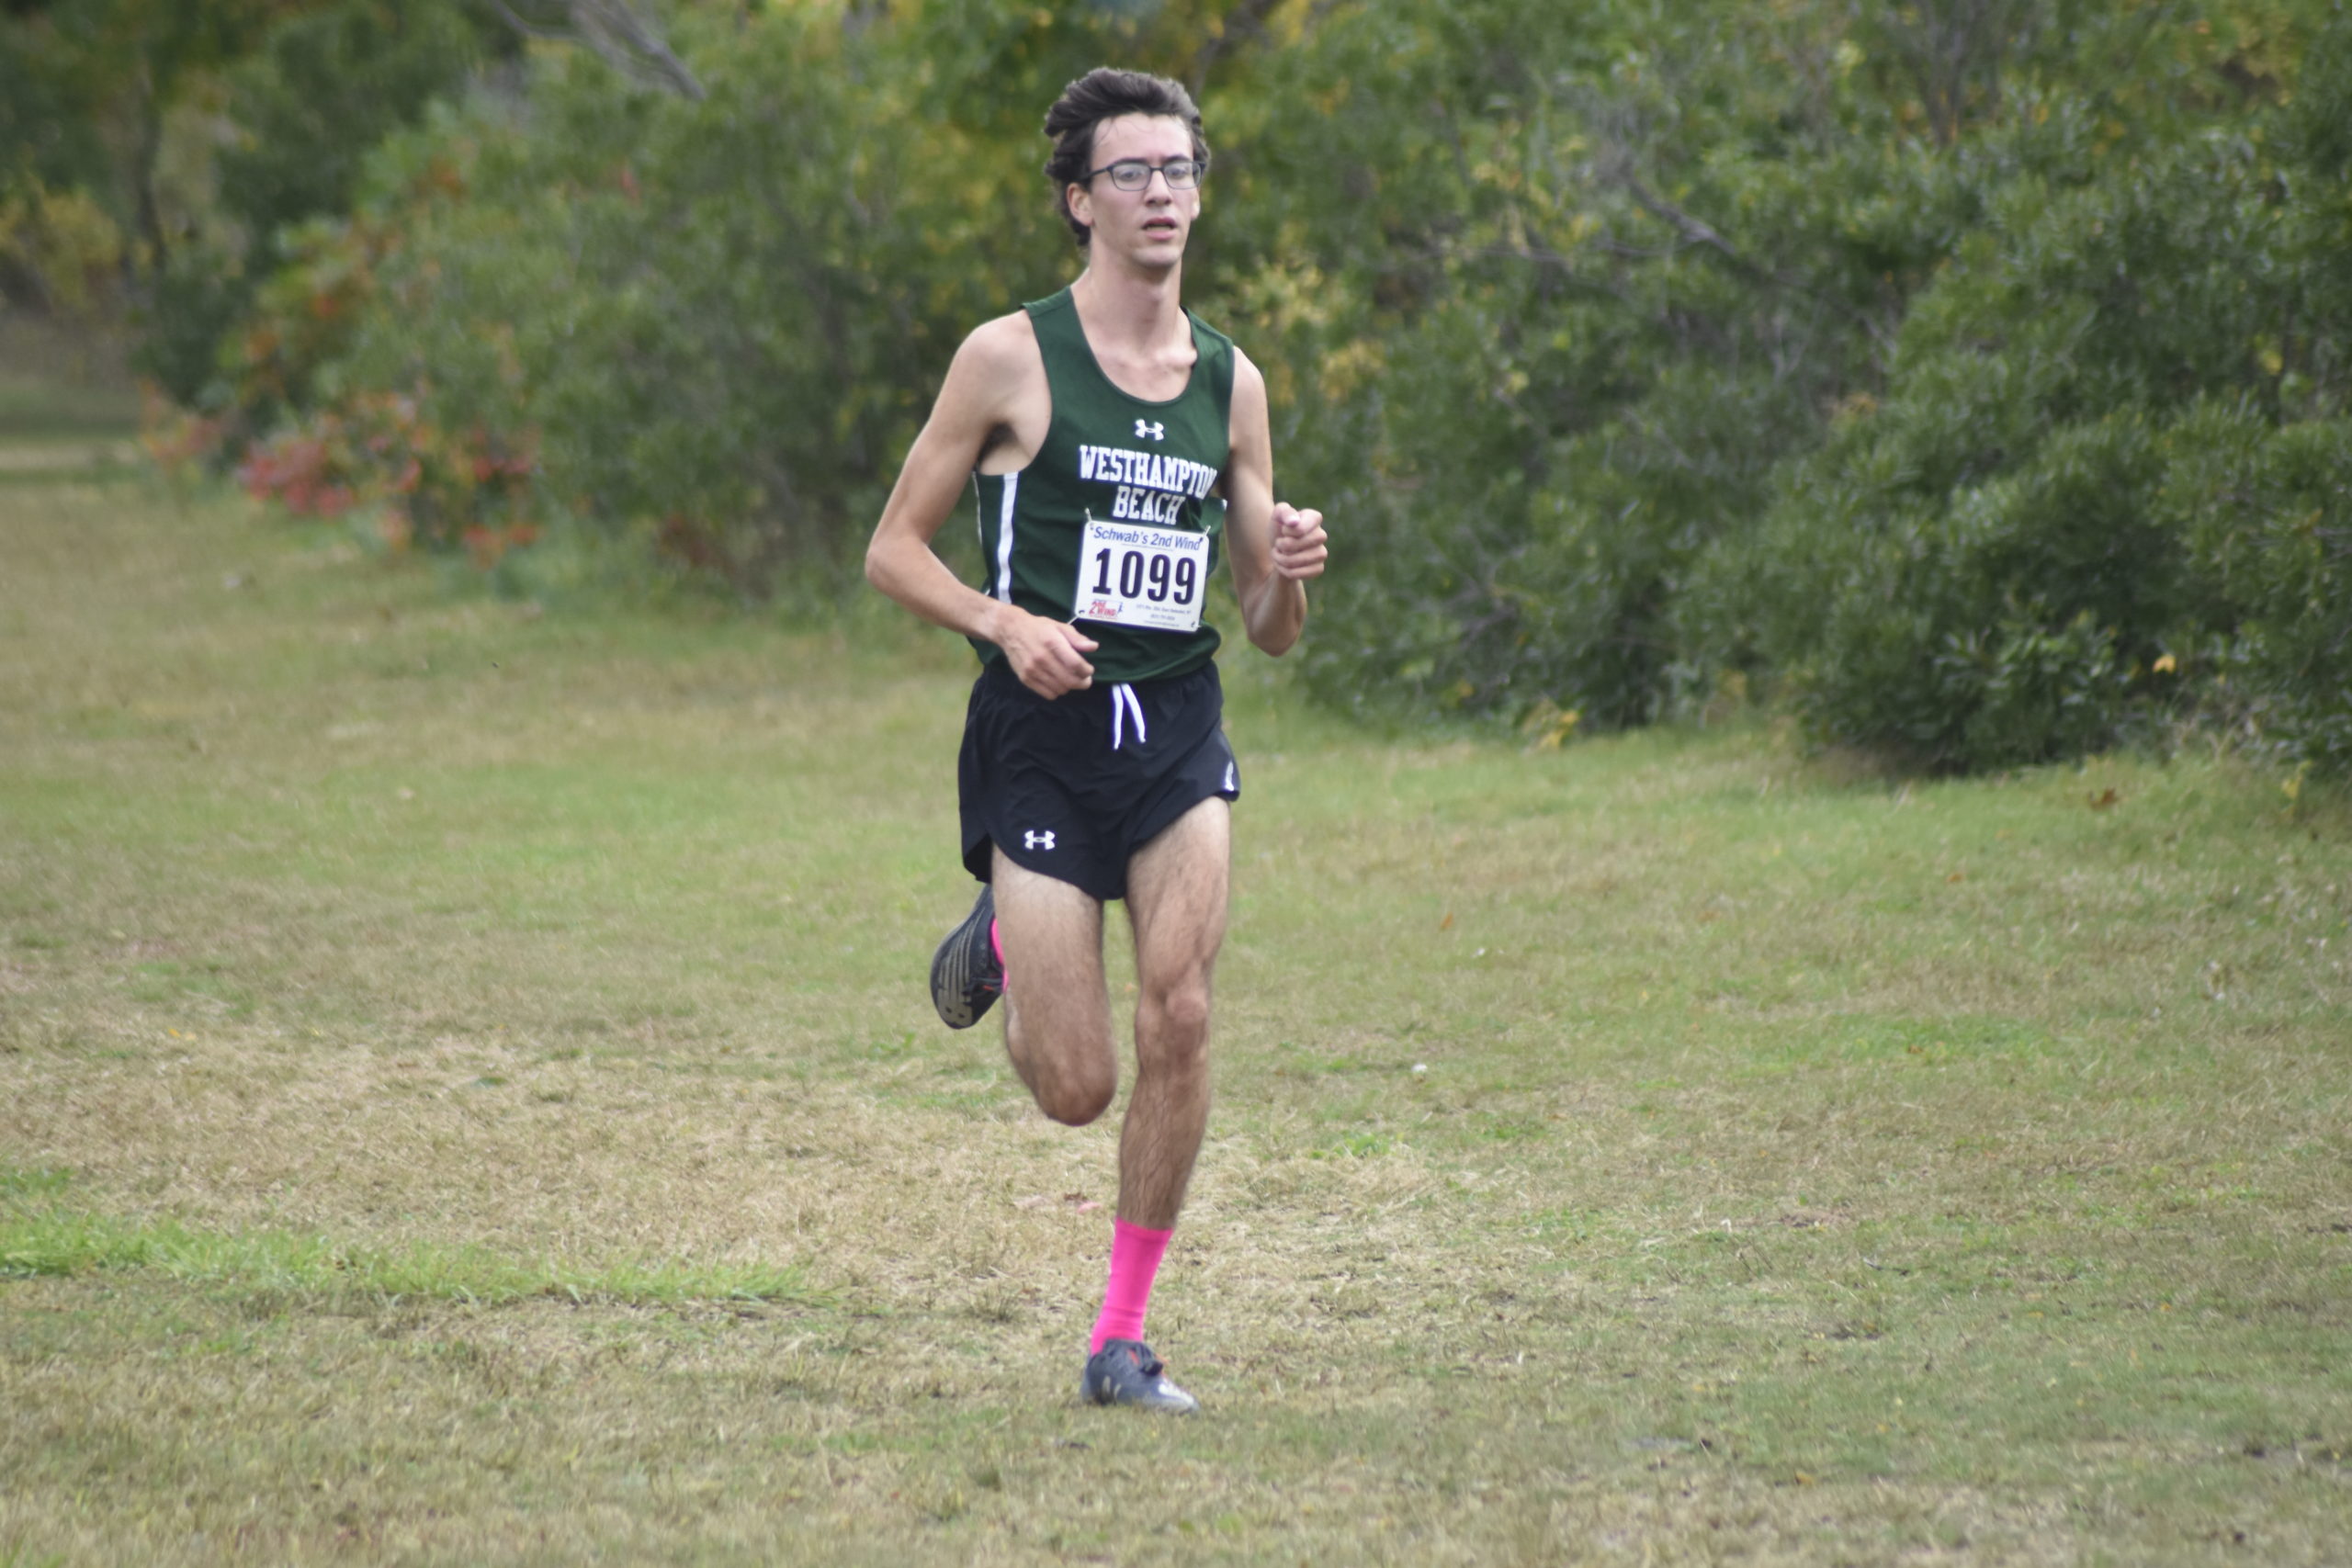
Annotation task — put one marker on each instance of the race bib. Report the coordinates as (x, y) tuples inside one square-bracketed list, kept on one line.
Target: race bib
[(1132, 576)]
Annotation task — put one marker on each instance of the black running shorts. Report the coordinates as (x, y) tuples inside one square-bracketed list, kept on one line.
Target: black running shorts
[(1072, 787)]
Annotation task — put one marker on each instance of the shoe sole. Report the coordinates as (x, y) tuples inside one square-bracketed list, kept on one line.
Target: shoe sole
[(1189, 1407), (951, 970)]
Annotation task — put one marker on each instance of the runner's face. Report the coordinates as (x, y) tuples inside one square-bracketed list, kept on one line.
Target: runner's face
[(1147, 226)]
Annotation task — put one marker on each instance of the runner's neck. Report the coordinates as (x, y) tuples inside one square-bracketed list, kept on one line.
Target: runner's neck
[(1137, 329)]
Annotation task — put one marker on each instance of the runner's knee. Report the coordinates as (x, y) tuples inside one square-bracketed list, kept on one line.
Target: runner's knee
[(1176, 1016), (1072, 1073), (1076, 1097)]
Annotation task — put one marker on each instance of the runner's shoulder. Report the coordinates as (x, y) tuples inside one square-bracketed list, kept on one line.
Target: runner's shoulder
[(1247, 374), (1246, 414), (1004, 347), (997, 373)]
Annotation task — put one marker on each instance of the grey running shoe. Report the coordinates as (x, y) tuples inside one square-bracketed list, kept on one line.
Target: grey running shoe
[(965, 978), (1126, 1372)]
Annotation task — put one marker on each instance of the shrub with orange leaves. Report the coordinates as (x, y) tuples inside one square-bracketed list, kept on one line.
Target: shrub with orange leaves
[(178, 441), (301, 318), (301, 470), (429, 486)]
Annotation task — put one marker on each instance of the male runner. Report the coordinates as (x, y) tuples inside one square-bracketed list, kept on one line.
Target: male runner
[(1094, 427)]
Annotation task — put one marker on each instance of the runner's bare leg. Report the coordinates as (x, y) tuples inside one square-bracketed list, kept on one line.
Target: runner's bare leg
[(1176, 898), (1057, 1011)]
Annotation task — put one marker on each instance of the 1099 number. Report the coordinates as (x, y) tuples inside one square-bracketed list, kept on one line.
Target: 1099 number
[(1151, 577)]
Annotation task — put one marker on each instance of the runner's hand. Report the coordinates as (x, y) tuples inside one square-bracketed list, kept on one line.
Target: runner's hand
[(1050, 655), (1300, 544)]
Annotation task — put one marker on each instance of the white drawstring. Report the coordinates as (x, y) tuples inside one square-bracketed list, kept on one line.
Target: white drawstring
[(1123, 702)]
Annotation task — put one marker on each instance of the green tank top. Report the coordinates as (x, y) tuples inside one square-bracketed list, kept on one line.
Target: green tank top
[(1110, 523)]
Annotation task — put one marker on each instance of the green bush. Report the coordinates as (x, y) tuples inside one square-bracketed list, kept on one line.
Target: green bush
[(1611, 279), (1527, 396), (717, 315), (1999, 629), (2266, 516), (2103, 448), (321, 91), (723, 318)]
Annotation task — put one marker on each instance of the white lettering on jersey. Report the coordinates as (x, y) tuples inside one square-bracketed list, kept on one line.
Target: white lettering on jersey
[(1148, 470)]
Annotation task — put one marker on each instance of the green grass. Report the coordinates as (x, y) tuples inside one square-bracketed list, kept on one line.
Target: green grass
[(66, 403), (466, 1094), (47, 1235), (34, 413)]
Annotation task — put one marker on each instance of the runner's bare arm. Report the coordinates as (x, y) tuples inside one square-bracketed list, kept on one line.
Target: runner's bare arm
[(1274, 546), (980, 405)]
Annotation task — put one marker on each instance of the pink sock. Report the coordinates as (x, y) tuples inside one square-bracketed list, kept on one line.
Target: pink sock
[(996, 946), (1135, 1262)]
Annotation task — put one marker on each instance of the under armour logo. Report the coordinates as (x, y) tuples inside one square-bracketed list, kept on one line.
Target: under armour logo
[(1147, 427), (1033, 839)]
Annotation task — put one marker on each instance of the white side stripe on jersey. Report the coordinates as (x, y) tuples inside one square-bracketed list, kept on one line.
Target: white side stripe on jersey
[(1004, 539)]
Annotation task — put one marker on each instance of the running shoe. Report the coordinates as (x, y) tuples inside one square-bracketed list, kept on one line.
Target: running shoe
[(1125, 1371), (965, 978)]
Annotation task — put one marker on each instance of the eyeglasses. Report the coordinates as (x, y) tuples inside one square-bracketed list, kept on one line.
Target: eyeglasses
[(1134, 173)]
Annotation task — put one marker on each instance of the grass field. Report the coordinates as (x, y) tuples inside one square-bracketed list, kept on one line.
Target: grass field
[(66, 405), (467, 1095)]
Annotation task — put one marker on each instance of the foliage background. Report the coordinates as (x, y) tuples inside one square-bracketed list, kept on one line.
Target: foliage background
[(1966, 375)]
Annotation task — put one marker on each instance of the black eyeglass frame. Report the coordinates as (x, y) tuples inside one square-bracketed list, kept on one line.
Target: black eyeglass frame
[(1199, 167)]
